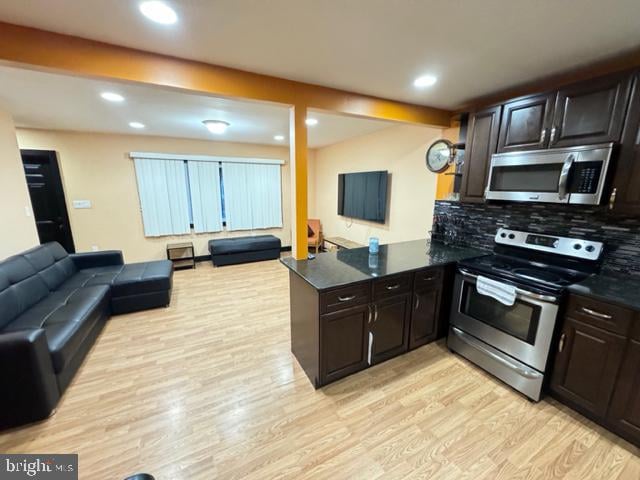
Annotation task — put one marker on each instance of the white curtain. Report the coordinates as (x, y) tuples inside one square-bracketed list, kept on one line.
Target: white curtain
[(162, 186), (206, 201), (252, 195)]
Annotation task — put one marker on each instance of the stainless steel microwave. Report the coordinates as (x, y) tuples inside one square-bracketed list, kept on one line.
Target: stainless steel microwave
[(563, 175)]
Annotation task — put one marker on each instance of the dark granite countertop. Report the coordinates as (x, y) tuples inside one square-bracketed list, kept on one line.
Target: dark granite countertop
[(333, 269), (623, 290)]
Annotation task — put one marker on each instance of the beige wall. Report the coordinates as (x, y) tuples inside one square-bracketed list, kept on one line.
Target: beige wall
[(16, 216), (398, 149), (96, 167)]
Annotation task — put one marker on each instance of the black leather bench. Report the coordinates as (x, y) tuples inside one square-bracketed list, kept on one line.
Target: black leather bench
[(229, 251), (53, 306)]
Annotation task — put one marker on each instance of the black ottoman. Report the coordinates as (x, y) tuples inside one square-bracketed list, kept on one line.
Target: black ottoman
[(229, 251), (140, 286)]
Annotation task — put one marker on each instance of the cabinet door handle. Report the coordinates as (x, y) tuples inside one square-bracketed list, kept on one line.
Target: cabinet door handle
[(543, 135), (417, 303), (593, 313), (375, 313), (393, 287), (612, 198), (563, 337), (370, 314), (552, 138), (346, 299), (428, 279)]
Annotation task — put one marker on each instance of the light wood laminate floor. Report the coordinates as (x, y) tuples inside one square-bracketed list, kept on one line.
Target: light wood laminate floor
[(208, 389)]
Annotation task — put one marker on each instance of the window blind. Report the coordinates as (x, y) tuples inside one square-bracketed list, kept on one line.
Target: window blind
[(163, 195), (253, 195), (206, 199)]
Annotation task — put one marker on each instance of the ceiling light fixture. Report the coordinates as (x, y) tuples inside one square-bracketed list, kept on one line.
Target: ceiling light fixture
[(216, 126), (136, 125), (311, 122), (278, 138), (425, 81), (112, 97), (159, 12)]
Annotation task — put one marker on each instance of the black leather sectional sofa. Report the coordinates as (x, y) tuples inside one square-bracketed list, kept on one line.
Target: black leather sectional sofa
[(52, 308)]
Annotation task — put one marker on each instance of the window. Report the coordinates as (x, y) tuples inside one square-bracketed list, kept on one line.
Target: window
[(181, 193)]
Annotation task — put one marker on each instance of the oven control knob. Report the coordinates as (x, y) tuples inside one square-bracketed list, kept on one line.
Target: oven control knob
[(590, 248), (512, 236), (577, 246), (503, 235)]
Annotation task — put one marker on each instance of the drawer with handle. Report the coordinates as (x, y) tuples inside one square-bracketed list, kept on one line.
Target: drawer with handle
[(390, 286), (428, 277), (606, 316), (345, 297)]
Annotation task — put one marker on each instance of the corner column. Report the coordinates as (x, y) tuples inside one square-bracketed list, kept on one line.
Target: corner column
[(298, 161)]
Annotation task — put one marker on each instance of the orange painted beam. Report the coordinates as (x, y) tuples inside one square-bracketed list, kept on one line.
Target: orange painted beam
[(299, 178), (45, 50)]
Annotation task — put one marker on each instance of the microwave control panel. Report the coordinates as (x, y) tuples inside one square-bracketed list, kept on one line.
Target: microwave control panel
[(585, 177)]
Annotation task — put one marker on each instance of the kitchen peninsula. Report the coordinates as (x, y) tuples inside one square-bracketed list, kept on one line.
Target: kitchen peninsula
[(351, 309)]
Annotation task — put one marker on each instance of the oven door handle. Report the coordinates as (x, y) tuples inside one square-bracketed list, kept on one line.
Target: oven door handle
[(564, 176), (472, 342), (519, 291)]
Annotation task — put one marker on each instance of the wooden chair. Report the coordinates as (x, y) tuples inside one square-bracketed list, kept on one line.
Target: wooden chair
[(314, 234)]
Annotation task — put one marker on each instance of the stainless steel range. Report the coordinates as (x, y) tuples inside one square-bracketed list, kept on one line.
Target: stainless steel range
[(505, 305)]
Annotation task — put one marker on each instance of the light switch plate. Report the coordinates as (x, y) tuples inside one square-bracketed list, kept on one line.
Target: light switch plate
[(82, 204)]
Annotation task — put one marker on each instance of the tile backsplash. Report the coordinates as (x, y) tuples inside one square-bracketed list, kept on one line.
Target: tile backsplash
[(475, 224)]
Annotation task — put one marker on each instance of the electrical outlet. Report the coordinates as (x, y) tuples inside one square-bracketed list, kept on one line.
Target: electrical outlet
[(94, 248), (27, 211)]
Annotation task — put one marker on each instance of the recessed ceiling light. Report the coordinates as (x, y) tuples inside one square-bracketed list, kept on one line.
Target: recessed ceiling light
[(278, 138), (112, 97), (425, 81), (311, 122), (136, 125), (159, 12), (216, 126)]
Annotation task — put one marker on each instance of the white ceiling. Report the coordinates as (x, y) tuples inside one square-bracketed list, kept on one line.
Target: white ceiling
[(378, 47), (59, 102)]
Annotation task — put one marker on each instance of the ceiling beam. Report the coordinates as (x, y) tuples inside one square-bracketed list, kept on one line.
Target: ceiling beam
[(44, 50)]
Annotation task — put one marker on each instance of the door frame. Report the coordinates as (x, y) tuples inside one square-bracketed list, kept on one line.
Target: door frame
[(59, 193)]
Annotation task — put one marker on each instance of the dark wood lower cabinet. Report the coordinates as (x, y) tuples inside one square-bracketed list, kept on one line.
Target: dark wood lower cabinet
[(344, 342), (425, 316), (597, 366), (587, 365), (390, 328), (340, 331), (624, 413)]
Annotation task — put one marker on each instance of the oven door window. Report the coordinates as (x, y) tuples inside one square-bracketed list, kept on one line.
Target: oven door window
[(519, 320), (526, 178)]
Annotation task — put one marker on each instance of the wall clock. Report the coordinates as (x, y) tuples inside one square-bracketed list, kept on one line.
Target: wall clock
[(440, 155)]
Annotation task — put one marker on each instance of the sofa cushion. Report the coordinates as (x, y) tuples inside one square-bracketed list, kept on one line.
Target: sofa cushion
[(146, 277), (52, 263), (225, 246), (66, 319), (20, 288)]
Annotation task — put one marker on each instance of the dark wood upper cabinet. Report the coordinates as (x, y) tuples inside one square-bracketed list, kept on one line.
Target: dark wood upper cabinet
[(482, 140), (526, 123), (390, 327), (624, 413), (343, 342), (590, 112), (626, 185)]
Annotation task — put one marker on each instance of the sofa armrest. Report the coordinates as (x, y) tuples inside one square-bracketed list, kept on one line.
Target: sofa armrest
[(105, 258), (30, 389)]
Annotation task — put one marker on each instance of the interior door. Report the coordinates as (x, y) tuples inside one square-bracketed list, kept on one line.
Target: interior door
[(47, 197), (526, 123), (590, 112)]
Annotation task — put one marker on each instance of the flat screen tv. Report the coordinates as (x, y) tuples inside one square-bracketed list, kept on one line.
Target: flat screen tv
[(363, 195)]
